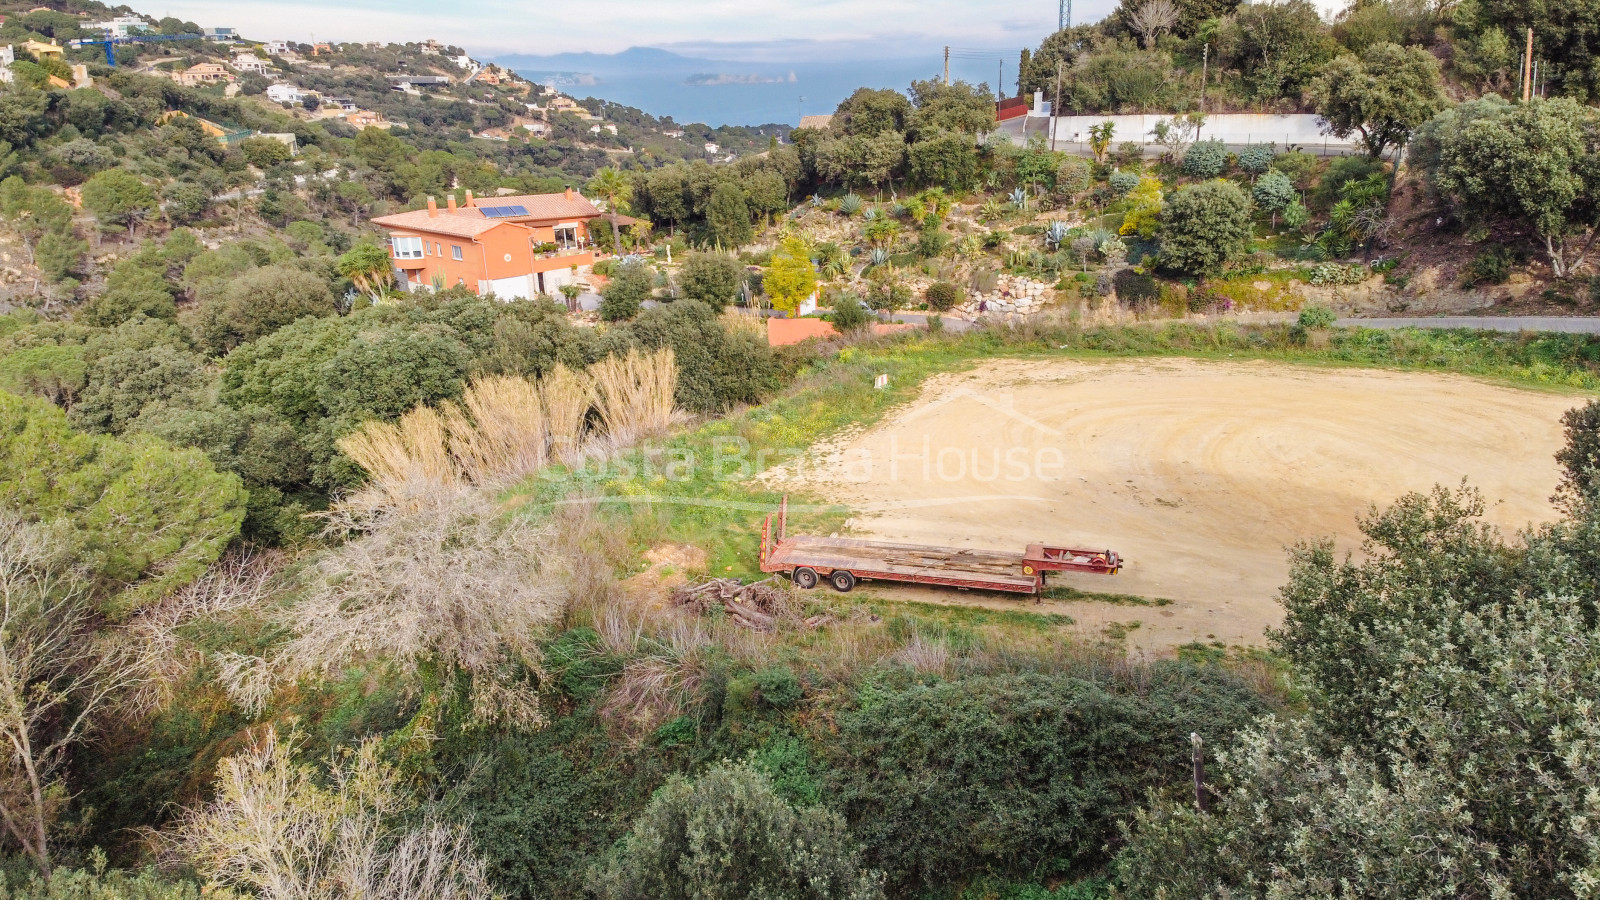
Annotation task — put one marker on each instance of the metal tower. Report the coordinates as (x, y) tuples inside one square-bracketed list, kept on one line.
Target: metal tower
[(1064, 18)]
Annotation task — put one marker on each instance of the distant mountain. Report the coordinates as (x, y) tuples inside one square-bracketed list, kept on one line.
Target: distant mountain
[(630, 62)]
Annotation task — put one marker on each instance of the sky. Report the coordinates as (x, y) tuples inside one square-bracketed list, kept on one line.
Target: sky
[(720, 29)]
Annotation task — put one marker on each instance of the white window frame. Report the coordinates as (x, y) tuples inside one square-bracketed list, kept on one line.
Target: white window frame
[(572, 244), (407, 247), (455, 251)]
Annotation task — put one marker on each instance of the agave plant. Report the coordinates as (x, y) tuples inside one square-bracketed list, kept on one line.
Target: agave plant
[(816, 200), (991, 210), (831, 260), (870, 214), (898, 210), (1100, 236), (1019, 199), (850, 204), (1056, 234), (971, 245), (878, 256)]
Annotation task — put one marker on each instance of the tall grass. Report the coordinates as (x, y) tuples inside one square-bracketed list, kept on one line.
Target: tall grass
[(506, 427), (634, 394), (401, 457), (566, 397), (506, 435)]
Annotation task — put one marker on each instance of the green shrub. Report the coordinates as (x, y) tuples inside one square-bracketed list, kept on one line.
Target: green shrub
[(625, 293), (712, 278), (779, 687), (1205, 159), (849, 313), (1334, 273), (1492, 266), (728, 836), (1436, 666), (937, 779), (1122, 182), (942, 295), (1255, 158), (1315, 316), (1072, 176), (1136, 289), (1204, 227), (143, 517), (717, 366)]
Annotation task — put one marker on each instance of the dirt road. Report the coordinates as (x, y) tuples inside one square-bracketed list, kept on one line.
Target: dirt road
[(1199, 473)]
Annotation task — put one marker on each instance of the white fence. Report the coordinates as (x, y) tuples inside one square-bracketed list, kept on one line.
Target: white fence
[(1301, 131)]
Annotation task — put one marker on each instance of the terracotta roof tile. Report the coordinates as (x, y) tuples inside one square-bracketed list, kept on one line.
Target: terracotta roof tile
[(543, 206), (443, 223)]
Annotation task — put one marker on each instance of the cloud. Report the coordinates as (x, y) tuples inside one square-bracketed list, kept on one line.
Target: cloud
[(487, 27)]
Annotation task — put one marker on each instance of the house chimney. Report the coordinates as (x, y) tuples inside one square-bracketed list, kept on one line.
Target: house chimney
[(569, 192), (452, 201), (469, 197), (433, 207)]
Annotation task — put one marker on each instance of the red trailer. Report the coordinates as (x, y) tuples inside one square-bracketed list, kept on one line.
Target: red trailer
[(845, 561)]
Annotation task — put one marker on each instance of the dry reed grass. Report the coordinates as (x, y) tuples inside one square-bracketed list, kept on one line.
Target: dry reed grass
[(502, 434), (566, 396), (506, 427), (634, 394), (402, 457)]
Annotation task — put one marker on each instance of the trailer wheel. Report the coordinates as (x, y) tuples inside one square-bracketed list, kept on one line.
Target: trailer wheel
[(843, 581), (806, 579)]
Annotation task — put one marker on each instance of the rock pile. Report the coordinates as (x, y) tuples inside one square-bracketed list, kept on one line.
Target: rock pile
[(1011, 294)]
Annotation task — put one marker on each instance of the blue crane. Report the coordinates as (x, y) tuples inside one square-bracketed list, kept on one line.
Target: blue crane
[(109, 42)]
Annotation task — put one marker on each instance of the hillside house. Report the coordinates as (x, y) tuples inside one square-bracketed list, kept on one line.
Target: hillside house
[(119, 27), (250, 63), (513, 247), (276, 48), (8, 55), (40, 50), (560, 104), (201, 74), (286, 93)]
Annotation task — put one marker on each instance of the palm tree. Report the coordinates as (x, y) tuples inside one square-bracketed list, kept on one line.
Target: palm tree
[(369, 268), (613, 187)]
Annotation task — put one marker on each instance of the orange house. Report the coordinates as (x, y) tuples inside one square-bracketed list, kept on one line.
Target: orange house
[(519, 246)]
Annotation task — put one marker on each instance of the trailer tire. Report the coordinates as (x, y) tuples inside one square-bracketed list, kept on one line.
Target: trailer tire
[(842, 581), (805, 578)]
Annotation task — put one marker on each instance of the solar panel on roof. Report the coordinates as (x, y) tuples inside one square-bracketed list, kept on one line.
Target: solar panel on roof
[(502, 212)]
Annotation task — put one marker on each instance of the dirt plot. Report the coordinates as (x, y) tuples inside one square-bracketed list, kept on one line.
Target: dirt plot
[(1199, 473)]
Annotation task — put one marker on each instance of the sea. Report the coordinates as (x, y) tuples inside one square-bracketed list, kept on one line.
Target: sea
[(718, 92)]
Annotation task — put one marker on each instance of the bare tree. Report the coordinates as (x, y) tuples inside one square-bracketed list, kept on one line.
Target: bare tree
[(1177, 133), (1152, 19), (56, 675), (276, 829), (442, 579), (156, 651)]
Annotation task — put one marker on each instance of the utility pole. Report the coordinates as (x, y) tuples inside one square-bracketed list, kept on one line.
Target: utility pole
[(1205, 71), (1055, 108), (947, 65), (801, 108), (1527, 70), (1064, 17), (999, 81), (1199, 758)]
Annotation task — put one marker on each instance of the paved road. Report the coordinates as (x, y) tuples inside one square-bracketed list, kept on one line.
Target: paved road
[(1569, 324)]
